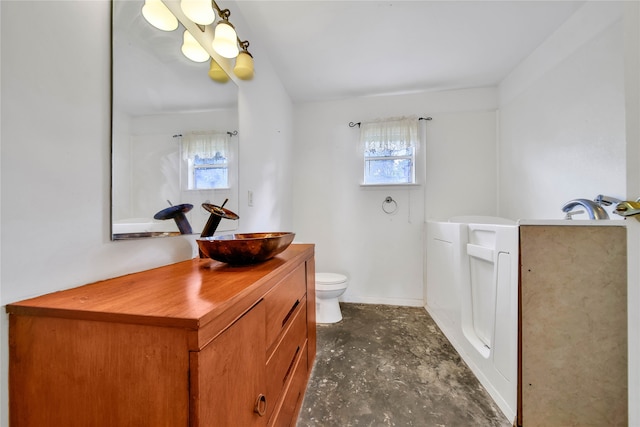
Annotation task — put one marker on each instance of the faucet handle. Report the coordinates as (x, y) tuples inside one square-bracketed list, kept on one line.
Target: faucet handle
[(570, 214), (603, 200)]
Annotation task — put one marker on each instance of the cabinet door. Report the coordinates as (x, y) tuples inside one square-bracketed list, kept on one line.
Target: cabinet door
[(573, 358), (228, 376)]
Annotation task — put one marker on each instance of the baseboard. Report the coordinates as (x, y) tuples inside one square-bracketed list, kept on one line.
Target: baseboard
[(405, 302)]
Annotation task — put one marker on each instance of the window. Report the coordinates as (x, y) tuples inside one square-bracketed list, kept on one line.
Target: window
[(207, 156), (389, 151), (209, 172)]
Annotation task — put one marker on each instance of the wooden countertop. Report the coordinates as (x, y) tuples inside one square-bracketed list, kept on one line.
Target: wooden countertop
[(187, 294)]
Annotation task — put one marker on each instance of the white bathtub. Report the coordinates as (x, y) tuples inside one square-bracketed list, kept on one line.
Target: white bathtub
[(143, 225), (472, 294)]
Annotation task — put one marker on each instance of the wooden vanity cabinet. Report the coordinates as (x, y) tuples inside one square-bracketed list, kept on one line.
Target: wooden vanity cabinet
[(197, 343)]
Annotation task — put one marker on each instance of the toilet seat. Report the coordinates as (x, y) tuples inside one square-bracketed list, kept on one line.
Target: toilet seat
[(330, 278), (332, 287)]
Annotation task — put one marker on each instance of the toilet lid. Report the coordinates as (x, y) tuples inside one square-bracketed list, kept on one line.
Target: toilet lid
[(330, 278)]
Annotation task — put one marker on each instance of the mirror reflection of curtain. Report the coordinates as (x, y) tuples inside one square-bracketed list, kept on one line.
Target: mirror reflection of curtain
[(205, 145), (207, 159)]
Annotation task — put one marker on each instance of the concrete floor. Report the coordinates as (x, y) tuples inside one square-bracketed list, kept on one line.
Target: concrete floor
[(391, 366)]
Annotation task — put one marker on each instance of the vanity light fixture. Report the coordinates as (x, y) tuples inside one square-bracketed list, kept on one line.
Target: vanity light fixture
[(199, 11), (192, 49), (244, 63), (157, 14), (216, 72)]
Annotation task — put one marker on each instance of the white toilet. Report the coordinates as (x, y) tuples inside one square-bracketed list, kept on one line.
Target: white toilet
[(329, 287)]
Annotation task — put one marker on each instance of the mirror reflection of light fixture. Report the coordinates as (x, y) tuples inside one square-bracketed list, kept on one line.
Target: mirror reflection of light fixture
[(192, 49), (199, 11), (158, 15), (216, 72), (226, 42), (244, 63), (225, 39)]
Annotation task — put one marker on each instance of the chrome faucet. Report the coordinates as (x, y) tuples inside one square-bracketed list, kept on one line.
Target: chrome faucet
[(593, 209), (603, 200)]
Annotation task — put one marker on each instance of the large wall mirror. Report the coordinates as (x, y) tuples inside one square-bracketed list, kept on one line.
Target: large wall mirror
[(159, 98)]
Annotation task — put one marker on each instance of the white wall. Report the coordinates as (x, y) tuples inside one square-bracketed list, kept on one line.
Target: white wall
[(562, 118), (632, 98), (461, 164), (55, 150), (570, 127), (266, 117), (266, 162), (382, 254)]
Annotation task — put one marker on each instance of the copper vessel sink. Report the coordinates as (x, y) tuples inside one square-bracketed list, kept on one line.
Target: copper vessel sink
[(245, 248)]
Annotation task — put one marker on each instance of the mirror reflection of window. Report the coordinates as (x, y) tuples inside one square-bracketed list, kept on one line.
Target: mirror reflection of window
[(207, 156), (209, 172)]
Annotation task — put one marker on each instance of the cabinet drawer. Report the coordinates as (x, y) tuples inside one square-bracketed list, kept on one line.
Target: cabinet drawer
[(282, 301), (285, 412), (281, 364)]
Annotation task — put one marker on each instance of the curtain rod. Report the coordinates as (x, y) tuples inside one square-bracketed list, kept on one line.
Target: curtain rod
[(352, 124), (235, 132)]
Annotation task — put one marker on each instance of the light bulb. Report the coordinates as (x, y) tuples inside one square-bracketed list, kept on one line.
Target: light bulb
[(157, 14), (225, 40), (244, 66), (199, 11), (192, 49), (217, 73)]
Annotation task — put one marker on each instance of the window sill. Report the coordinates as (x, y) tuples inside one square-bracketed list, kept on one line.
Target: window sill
[(208, 189), (373, 186)]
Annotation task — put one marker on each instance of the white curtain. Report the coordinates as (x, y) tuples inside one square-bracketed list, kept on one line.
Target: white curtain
[(396, 133), (204, 144)]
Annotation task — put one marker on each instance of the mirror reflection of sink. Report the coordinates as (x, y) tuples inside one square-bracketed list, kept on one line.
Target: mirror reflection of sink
[(245, 248)]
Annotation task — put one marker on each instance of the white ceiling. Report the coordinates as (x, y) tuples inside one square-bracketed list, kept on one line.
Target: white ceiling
[(333, 49)]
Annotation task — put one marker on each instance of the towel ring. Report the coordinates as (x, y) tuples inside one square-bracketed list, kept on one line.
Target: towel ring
[(387, 201)]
